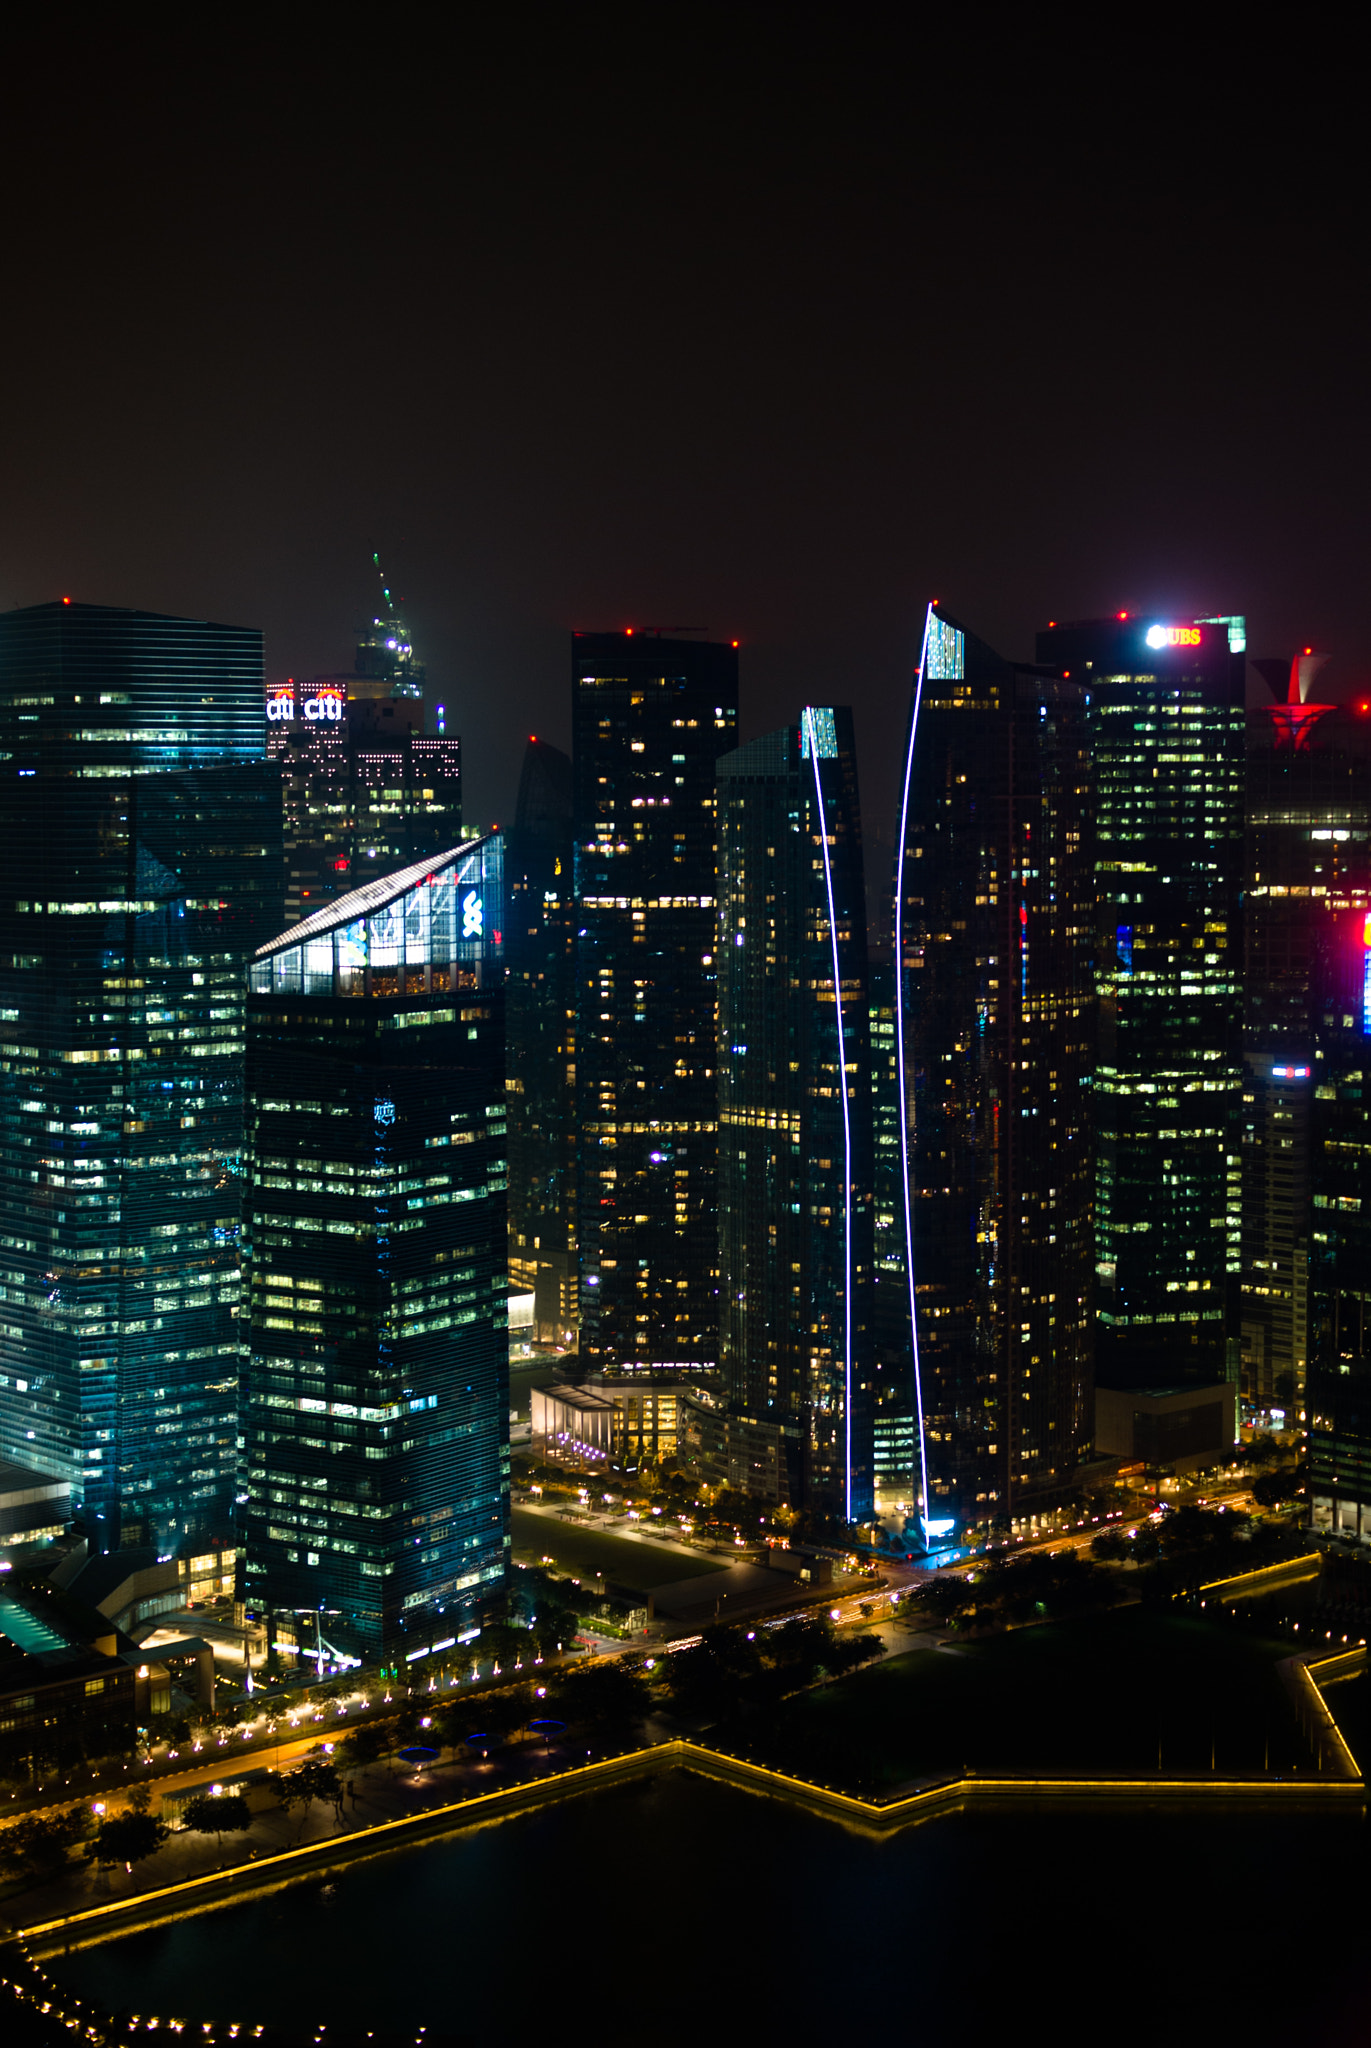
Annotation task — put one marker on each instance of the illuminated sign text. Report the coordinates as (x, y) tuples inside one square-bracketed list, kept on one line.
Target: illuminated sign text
[(1173, 636)]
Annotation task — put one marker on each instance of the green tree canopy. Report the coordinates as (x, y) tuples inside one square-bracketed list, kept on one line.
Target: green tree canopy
[(612, 1694), (40, 1842), (218, 1814), (127, 1838), (311, 1780)]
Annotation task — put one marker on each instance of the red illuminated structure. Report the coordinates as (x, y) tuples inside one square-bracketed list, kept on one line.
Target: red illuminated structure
[(1295, 718)]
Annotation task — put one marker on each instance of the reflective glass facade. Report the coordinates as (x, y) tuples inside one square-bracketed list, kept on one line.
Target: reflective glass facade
[(140, 841), (1167, 736), (377, 1416), (650, 719), (995, 1032), (795, 1138)]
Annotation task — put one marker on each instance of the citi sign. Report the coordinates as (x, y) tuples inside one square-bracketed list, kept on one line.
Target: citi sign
[(1173, 636), (327, 707)]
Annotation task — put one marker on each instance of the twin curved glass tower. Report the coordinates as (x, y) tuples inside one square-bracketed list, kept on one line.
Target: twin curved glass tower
[(994, 1031)]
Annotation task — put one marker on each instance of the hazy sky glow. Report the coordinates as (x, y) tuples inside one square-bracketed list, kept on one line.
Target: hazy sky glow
[(776, 337)]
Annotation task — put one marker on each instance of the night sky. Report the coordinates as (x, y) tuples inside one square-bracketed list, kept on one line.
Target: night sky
[(747, 320)]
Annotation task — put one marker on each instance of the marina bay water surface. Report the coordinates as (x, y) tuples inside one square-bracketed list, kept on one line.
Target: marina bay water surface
[(681, 1910)]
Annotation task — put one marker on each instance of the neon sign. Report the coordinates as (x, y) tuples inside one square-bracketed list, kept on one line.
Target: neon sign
[(1174, 636), (473, 915), (1366, 977), (325, 707)]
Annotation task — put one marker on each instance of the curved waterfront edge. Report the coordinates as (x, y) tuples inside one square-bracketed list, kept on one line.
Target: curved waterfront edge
[(212, 1889)]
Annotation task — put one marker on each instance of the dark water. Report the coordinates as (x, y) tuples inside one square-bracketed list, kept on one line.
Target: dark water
[(675, 1910)]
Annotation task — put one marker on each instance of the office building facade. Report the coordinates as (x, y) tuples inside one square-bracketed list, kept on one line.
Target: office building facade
[(1339, 1383), (141, 842), (651, 717), (367, 791), (894, 1396), (377, 1417), (540, 1014), (1308, 862), (1167, 718), (796, 1249), (993, 935)]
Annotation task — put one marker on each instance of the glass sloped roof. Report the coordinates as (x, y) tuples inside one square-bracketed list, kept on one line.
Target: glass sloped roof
[(441, 914), (372, 896)]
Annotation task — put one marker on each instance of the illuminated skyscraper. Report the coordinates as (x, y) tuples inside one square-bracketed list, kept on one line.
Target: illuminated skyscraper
[(795, 1141), (995, 1035), (1308, 862), (1339, 1387), (540, 994), (140, 835), (1167, 735), (377, 1418), (651, 717), (894, 1401), (366, 791)]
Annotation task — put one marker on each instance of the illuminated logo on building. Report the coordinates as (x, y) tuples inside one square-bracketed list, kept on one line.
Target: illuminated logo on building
[(1174, 636), (281, 706), (384, 1112), (1366, 977), (473, 916), (325, 707)]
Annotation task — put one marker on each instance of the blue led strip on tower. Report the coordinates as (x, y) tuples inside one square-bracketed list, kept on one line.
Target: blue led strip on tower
[(812, 736), (904, 1080)]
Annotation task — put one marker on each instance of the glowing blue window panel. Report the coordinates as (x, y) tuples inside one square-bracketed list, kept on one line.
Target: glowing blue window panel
[(945, 661), (817, 719)]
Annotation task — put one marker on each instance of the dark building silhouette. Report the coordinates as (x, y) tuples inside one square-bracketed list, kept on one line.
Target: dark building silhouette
[(539, 1000), (366, 790), (993, 937), (651, 717), (795, 1136), (1339, 1382), (1167, 718), (140, 834), (377, 1418), (1308, 860)]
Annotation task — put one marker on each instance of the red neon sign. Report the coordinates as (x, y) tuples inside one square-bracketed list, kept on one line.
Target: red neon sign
[(1173, 636)]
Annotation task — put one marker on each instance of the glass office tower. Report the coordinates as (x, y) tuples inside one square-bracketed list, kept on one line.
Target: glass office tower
[(1339, 1390), (650, 718), (894, 1401), (540, 1013), (1308, 860), (140, 840), (1167, 734), (366, 791), (377, 1417), (995, 1027), (795, 1139)]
